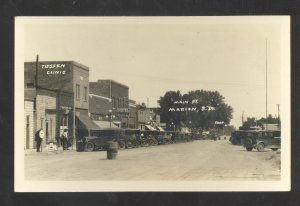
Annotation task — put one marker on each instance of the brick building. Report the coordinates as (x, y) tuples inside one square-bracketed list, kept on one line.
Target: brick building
[(118, 93), (56, 97)]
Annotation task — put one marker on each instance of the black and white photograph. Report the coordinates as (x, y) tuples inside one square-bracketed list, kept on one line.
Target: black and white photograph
[(152, 104)]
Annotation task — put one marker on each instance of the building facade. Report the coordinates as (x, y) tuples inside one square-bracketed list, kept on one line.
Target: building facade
[(118, 93), (56, 98)]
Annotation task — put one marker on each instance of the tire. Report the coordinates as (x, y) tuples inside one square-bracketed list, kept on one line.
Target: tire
[(154, 143), (260, 147), (135, 144), (121, 145), (144, 143), (274, 149), (249, 148), (129, 145), (169, 141), (89, 147)]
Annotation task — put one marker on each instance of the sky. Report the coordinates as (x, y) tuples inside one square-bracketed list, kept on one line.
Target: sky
[(152, 58)]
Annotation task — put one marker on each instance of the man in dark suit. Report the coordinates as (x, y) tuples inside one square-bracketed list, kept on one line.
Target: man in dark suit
[(39, 136)]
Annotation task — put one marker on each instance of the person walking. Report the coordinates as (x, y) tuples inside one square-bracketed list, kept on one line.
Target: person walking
[(64, 140), (39, 136)]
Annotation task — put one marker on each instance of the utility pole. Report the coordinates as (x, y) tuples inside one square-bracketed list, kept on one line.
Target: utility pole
[(278, 116), (36, 71), (243, 118)]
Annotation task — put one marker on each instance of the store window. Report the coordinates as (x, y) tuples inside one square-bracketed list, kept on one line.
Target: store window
[(30, 85), (77, 91)]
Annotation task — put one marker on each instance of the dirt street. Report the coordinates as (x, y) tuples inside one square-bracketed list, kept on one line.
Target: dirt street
[(196, 160)]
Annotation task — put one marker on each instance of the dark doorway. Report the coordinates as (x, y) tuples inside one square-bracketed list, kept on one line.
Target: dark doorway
[(47, 131)]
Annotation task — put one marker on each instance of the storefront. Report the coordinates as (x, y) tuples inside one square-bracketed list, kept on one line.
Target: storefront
[(54, 93)]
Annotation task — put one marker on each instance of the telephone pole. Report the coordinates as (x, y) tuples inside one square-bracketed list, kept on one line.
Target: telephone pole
[(278, 110)]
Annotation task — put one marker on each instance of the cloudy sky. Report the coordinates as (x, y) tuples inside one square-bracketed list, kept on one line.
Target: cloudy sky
[(153, 57)]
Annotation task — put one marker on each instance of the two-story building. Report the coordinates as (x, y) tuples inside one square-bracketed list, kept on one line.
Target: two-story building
[(118, 94), (56, 97)]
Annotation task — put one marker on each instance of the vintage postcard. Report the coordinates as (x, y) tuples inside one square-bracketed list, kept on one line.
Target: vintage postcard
[(152, 104)]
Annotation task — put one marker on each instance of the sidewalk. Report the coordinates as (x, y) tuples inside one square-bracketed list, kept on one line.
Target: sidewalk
[(46, 151)]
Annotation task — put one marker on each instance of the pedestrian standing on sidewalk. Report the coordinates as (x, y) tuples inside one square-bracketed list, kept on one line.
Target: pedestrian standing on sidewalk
[(39, 136), (64, 140)]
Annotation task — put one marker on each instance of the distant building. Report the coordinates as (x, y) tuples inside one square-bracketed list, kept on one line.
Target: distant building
[(143, 117), (119, 95), (132, 123)]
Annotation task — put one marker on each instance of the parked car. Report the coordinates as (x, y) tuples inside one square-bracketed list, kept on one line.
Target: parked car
[(236, 137), (98, 140), (164, 137), (262, 139), (132, 137), (148, 138)]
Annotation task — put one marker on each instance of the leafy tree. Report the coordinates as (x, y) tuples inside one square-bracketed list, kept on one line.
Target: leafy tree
[(250, 122), (208, 107), (165, 103)]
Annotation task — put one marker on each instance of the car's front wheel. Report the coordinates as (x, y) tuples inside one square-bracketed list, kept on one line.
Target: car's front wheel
[(260, 147), (249, 148), (89, 147), (121, 145)]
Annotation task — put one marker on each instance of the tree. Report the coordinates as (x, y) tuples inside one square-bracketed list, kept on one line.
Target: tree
[(196, 109), (165, 103), (251, 121)]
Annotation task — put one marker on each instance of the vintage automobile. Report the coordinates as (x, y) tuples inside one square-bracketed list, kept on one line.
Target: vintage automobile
[(163, 137), (98, 140), (236, 137), (148, 138), (131, 137), (262, 139)]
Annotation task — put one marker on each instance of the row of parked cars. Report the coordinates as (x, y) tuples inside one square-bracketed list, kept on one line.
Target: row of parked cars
[(128, 138), (257, 139)]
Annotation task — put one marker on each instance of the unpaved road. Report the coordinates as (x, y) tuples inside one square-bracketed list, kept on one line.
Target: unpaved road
[(196, 160)]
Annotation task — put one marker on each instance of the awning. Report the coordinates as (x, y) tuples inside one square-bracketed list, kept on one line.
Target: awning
[(160, 129), (185, 130), (83, 121), (148, 127), (104, 124)]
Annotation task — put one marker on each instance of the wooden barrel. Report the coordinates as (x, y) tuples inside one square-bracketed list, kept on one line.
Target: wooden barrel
[(112, 150)]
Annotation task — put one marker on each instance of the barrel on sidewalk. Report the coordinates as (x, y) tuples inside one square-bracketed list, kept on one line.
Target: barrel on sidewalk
[(112, 150)]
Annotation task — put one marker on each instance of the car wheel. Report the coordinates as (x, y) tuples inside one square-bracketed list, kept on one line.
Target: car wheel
[(129, 145), (154, 143), (260, 147), (135, 144), (248, 142), (167, 141), (121, 145), (144, 143), (89, 147), (249, 148), (274, 149)]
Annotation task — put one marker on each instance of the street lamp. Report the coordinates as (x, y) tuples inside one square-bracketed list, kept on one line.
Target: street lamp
[(110, 117), (173, 126)]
